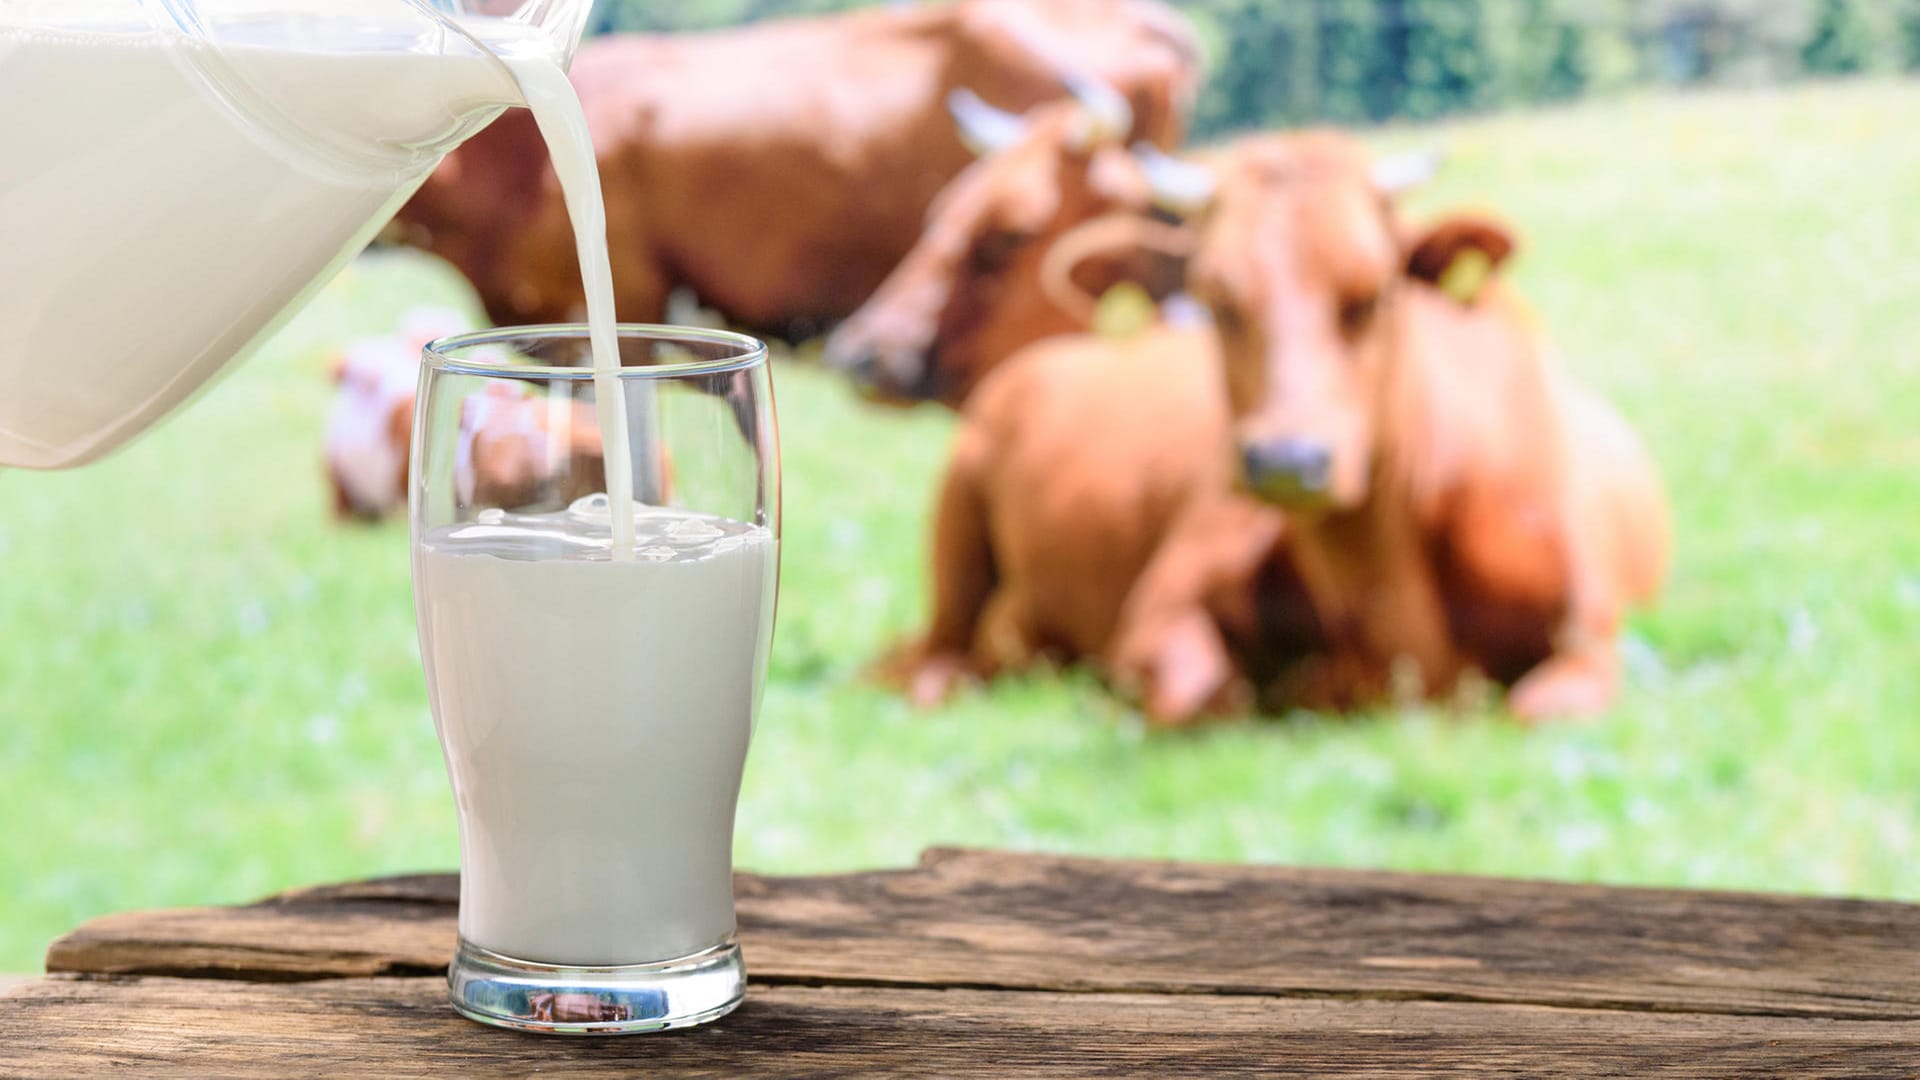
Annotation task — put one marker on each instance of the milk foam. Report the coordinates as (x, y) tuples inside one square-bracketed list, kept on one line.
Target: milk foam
[(595, 715)]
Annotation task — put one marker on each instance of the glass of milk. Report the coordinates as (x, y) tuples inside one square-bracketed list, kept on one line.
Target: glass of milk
[(594, 654)]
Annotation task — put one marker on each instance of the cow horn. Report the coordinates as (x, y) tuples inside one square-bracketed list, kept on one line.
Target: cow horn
[(983, 128), (1180, 186), (1408, 169), (1112, 113)]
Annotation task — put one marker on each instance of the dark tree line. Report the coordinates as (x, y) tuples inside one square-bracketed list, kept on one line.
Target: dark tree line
[(1281, 62)]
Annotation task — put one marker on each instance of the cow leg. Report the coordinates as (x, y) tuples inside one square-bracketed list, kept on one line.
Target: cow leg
[(1179, 668), (1005, 637), (1619, 548), (1579, 678), (1168, 651), (964, 581), (342, 506)]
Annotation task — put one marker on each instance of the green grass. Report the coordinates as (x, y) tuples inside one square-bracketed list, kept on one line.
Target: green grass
[(209, 691)]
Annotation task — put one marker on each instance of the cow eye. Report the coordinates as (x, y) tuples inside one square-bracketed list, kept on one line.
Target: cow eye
[(1357, 312), (1228, 321), (997, 247)]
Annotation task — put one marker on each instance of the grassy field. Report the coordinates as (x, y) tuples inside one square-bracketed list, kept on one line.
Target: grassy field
[(209, 691)]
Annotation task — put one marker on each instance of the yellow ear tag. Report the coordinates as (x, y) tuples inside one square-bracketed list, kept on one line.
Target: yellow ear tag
[(1123, 311), (1466, 275)]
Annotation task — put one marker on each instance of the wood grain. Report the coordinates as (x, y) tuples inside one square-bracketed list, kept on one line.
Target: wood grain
[(999, 921), (134, 1026)]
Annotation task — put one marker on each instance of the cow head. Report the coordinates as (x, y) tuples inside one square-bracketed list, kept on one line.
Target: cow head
[(1304, 266), (971, 290)]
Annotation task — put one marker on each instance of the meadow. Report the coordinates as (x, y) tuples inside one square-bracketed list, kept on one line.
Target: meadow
[(209, 690)]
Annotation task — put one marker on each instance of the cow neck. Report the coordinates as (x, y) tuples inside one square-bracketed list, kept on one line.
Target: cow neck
[(1368, 569)]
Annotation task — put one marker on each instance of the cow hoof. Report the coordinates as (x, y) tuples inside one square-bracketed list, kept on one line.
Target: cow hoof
[(935, 678), (1560, 694)]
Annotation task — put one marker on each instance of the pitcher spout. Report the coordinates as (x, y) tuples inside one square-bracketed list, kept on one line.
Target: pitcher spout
[(560, 22)]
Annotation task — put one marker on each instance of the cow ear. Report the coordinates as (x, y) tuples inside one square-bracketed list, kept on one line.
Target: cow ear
[(1459, 255)]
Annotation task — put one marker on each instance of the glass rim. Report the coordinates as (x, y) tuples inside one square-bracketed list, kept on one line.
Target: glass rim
[(750, 352)]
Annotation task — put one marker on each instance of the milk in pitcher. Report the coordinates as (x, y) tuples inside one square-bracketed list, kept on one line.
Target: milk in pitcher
[(165, 201)]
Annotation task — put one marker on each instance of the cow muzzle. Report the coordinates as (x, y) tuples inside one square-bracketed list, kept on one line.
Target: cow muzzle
[(1290, 472), (885, 377)]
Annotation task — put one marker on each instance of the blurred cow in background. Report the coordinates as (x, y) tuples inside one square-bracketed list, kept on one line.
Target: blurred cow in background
[(1371, 479), (780, 170), (983, 280), (369, 425), (515, 449), (518, 450)]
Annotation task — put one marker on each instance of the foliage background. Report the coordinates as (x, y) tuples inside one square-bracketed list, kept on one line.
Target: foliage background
[(1287, 62)]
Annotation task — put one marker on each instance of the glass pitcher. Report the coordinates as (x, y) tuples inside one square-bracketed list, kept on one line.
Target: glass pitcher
[(179, 175)]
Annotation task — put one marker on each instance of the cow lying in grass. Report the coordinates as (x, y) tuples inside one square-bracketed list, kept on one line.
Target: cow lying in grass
[(1361, 485)]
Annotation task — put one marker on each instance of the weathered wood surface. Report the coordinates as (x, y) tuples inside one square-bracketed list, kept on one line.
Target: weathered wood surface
[(991, 964), (401, 1027), (1010, 922)]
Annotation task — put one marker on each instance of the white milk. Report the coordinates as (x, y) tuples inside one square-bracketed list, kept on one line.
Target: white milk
[(595, 716), (556, 108), (157, 226)]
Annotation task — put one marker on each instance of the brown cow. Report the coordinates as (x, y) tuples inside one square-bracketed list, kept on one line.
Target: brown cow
[(514, 450), (369, 425), (521, 451), (1455, 503), (779, 170), (1431, 496), (980, 284)]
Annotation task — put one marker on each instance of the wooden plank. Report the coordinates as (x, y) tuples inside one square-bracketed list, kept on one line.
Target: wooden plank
[(133, 1026), (987, 920)]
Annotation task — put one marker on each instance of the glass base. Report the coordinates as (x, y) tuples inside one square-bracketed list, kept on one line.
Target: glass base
[(526, 996)]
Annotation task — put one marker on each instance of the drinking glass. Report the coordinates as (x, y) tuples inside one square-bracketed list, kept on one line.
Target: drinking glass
[(594, 694)]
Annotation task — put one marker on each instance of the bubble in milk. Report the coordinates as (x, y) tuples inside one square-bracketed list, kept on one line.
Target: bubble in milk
[(594, 506), (692, 530)]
